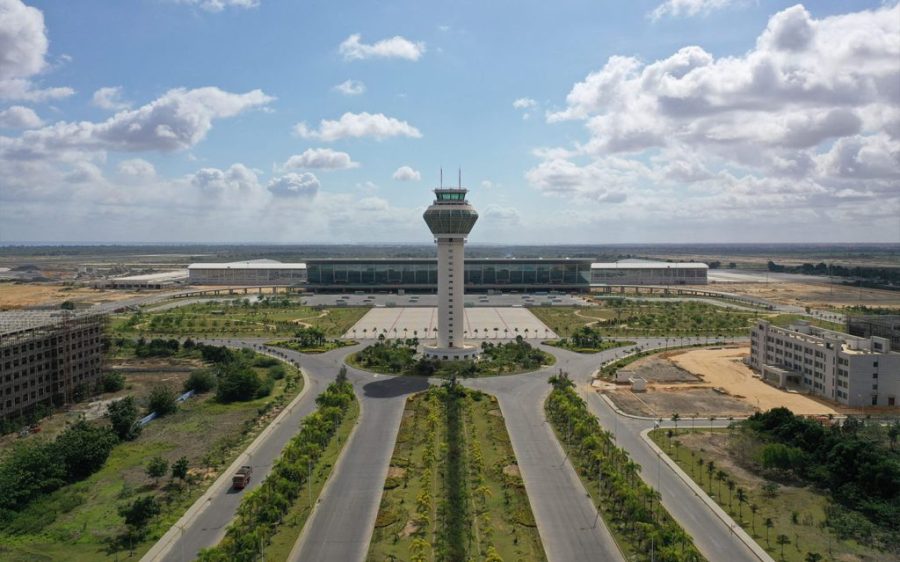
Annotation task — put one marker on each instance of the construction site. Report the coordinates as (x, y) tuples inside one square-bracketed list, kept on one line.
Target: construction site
[(48, 358)]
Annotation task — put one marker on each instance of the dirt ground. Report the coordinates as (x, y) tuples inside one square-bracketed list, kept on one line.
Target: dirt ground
[(815, 295), (13, 295), (686, 401), (657, 368), (724, 368)]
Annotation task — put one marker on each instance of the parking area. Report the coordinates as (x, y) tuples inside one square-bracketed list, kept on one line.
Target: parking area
[(421, 322), (430, 300)]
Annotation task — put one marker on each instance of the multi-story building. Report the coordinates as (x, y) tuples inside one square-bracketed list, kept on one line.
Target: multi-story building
[(46, 357), (881, 325), (847, 369)]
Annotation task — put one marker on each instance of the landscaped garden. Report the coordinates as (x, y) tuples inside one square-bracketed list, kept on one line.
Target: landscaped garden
[(311, 340), (803, 489), (101, 488), (401, 357), (453, 490), (633, 512), (240, 317), (587, 339)]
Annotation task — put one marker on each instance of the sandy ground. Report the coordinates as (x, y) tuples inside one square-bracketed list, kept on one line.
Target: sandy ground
[(490, 323), (724, 368), (816, 295), (697, 401), (14, 296)]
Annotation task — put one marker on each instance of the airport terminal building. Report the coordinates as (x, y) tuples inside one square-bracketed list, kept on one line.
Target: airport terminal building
[(420, 274)]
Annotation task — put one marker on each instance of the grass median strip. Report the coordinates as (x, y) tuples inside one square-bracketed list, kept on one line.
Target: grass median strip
[(453, 490), (632, 510), (262, 511)]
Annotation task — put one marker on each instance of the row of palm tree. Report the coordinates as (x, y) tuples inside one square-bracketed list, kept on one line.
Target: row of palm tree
[(262, 510), (633, 506)]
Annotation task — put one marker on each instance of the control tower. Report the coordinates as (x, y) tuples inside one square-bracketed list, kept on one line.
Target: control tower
[(450, 219)]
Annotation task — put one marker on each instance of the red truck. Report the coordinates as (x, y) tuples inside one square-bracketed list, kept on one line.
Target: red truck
[(241, 478)]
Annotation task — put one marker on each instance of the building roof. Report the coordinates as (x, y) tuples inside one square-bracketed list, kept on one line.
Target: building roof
[(160, 276), (649, 265), (252, 264), (12, 321)]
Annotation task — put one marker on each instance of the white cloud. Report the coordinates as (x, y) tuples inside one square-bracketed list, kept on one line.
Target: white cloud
[(23, 48), (238, 178), (405, 173), (395, 47), (358, 125), (137, 168), (525, 103), (219, 5), (497, 216), (110, 98), (351, 87), (304, 185), (177, 120), (321, 158), (688, 8), (488, 184), (19, 117)]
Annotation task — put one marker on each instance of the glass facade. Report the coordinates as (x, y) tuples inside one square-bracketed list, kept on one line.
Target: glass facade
[(422, 274)]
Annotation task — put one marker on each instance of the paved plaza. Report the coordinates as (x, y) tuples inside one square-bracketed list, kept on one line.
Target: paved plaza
[(421, 322)]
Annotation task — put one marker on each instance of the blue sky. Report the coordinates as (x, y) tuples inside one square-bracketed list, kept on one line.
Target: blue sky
[(589, 122)]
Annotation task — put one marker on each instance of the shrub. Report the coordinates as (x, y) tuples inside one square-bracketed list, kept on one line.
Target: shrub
[(84, 448), (237, 383), (112, 382), (123, 415), (162, 400), (139, 512), (157, 467), (277, 372), (200, 381)]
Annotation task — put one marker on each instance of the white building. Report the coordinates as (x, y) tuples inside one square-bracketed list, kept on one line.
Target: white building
[(253, 272), (649, 273), (161, 280), (450, 219), (850, 370)]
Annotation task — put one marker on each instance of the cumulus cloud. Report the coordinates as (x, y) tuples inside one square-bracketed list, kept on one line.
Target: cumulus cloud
[(19, 117), (304, 185), (177, 120), (352, 48), (23, 48), (405, 173), (358, 125), (496, 215), (687, 8), (219, 5), (351, 87), (110, 98), (808, 117), (321, 158), (524, 103), (137, 168), (237, 178)]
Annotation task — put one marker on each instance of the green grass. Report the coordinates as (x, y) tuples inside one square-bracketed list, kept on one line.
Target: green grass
[(784, 320), (498, 516), (283, 540), (606, 344), (76, 522), (329, 346), (220, 319), (623, 318), (802, 504)]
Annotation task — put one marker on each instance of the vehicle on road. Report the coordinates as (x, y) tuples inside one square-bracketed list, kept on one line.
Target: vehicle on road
[(241, 478)]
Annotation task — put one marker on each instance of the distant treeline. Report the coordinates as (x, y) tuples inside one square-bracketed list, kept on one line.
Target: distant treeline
[(873, 275)]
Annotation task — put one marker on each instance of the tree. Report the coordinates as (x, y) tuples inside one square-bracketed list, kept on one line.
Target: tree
[(162, 400), (139, 512), (782, 540), (769, 524), (123, 415), (84, 448), (742, 499), (342, 375), (237, 383), (180, 469), (753, 509), (813, 557), (157, 468), (675, 418), (200, 381), (112, 382)]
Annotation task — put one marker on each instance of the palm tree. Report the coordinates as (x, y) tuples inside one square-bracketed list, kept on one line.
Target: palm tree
[(753, 509), (710, 470), (675, 418), (711, 420), (782, 540), (769, 524), (742, 499), (731, 485), (721, 475)]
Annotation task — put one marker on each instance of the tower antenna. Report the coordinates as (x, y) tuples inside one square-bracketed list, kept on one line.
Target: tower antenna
[(460, 177), (442, 176)]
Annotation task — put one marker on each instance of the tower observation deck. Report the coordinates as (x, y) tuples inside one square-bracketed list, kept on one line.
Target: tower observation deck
[(450, 218)]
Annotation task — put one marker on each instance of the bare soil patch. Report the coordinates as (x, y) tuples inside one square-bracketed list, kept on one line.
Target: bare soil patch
[(657, 369), (816, 295), (512, 470), (396, 472), (15, 295), (685, 401), (409, 529)]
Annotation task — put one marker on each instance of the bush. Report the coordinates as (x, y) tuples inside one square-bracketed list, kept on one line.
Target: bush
[(162, 400), (139, 512), (123, 415), (277, 372), (84, 448), (237, 383), (112, 382), (200, 381), (265, 361), (157, 467)]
